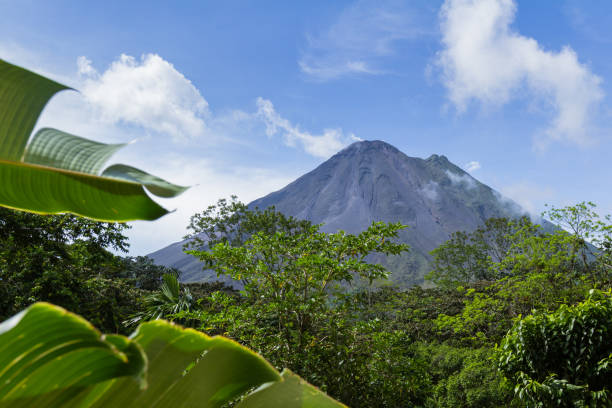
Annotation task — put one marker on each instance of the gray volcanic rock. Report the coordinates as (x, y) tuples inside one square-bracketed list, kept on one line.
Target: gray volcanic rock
[(373, 181)]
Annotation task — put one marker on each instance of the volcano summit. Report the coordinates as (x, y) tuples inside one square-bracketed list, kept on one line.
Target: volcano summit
[(373, 181)]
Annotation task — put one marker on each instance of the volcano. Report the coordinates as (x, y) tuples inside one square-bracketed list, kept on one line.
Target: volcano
[(374, 181)]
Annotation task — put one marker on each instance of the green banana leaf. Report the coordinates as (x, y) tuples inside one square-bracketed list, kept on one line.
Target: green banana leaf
[(58, 172), (48, 355), (54, 148), (155, 185), (52, 358), (291, 391)]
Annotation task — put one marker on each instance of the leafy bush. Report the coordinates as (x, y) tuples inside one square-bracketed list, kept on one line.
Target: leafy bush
[(562, 358), (465, 377)]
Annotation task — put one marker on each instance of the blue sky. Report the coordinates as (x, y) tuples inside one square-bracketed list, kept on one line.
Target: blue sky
[(242, 97)]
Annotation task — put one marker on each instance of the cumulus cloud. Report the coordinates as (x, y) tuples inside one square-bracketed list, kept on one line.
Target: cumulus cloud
[(149, 93), (322, 145), (84, 66), (483, 59), (472, 166), (464, 180), (363, 34)]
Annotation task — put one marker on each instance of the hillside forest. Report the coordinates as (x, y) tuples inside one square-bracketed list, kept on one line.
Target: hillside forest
[(510, 315)]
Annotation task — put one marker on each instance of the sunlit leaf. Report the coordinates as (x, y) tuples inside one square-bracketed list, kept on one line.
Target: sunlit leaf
[(23, 95), (48, 354), (223, 371), (155, 185), (53, 358), (49, 191), (58, 172), (291, 391), (54, 148)]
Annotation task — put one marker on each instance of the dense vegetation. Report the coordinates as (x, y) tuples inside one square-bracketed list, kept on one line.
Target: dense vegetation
[(518, 316), (66, 260), (50, 357)]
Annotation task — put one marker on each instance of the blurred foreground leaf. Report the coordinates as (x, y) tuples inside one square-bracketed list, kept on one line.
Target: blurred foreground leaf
[(52, 358), (58, 172)]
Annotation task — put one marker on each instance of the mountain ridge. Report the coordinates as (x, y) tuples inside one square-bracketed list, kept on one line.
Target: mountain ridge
[(374, 181)]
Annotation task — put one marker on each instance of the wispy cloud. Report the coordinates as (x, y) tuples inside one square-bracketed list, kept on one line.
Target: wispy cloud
[(324, 70), (483, 59), (472, 166), (152, 94), (150, 99), (463, 180), (430, 191), (322, 145), (593, 22), (363, 34), (529, 196)]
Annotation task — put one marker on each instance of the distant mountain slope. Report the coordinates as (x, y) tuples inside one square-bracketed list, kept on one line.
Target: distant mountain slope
[(373, 181)]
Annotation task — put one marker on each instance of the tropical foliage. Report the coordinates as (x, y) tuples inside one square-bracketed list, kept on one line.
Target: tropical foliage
[(294, 307), (50, 357), (169, 300), (54, 358), (562, 358), (364, 345), (309, 301), (65, 260), (56, 172)]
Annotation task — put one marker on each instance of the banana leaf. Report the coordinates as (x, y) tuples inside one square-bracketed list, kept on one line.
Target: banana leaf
[(57, 172), (52, 358)]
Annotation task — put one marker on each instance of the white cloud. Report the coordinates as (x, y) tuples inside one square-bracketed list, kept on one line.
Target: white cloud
[(149, 93), (152, 94), (364, 33), (160, 101), (84, 66), (325, 71), (529, 196), (323, 145), (485, 60), (472, 166), (463, 180), (430, 190)]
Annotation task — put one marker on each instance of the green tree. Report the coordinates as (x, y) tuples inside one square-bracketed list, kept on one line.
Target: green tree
[(589, 236), (144, 273), (503, 248), (490, 308), (107, 303), (548, 253), (48, 257), (51, 357), (233, 222), (295, 274), (477, 256), (465, 377), (562, 359), (297, 308)]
